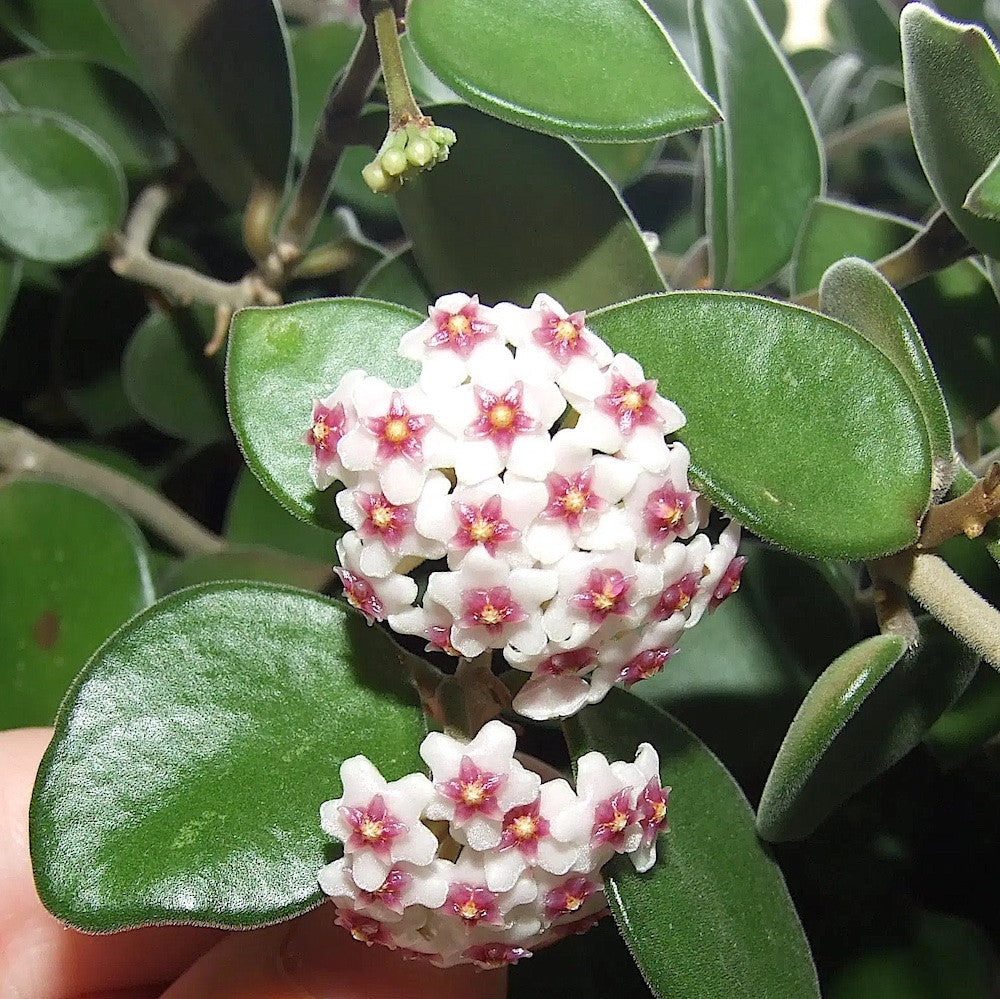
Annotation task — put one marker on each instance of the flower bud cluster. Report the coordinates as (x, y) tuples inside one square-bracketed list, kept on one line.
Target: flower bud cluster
[(405, 151), (532, 464), (483, 862)]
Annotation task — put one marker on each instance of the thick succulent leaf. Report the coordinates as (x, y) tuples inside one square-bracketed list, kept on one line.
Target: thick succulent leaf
[(280, 360), (693, 923), (763, 163), (984, 196), (582, 246), (63, 190), (78, 27), (797, 425), (220, 71), (72, 569), (170, 382), (602, 70), (952, 78), (868, 26), (99, 98), (869, 709), (192, 755), (856, 294)]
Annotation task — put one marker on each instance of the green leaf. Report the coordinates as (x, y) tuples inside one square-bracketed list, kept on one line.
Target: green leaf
[(72, 569), (63, 190), (868, 26), (603, 70), (261, 565), (869, 709), (233, 707), (77, 27), (763, 163), (856, 294), (255, 517), (582, 247), (397, 279), (220, 71), (797, 426), (623, 162), (170, 382), (280, 360), (10, 283), (100, 99), (984, 197), (694, 922), (952, 78), (970, 723)]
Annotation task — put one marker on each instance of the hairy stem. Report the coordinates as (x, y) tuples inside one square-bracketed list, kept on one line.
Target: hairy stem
[(23, 451), (403, 106), (933, 584), (937, 246)]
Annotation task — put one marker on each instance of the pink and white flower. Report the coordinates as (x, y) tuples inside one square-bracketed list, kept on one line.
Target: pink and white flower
[(376, 597), (332, 417)]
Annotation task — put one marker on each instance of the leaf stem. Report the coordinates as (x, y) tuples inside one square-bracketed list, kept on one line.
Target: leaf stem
[(938, 245), (967, 514), (22, 451), (933, 584)]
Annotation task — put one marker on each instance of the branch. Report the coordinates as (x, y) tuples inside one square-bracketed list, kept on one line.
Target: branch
[(937, 246), (933, 584), (967, 514), (892, 609), (23, 451)]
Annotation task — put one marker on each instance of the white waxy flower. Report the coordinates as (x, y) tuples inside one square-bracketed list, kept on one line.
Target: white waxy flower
[(379, 822), (332, 418), (570, 897), (404, 886), (638, 655), (388, 531), (720, 576), (493, 605), (651, 802), (663, 507), (396, 438), (562, 682), (477, 783), (457, 330), (376, 597)]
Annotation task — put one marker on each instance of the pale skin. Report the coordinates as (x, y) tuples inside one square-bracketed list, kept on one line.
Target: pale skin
[(308, 958)]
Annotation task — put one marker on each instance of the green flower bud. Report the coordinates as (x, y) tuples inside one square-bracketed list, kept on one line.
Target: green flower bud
[(394, 162)]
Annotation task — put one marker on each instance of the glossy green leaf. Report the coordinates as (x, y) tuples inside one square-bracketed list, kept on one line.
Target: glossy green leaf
[(763, 163), (571, 235), (220, 71), (623, 162), (797, 425), (397, 279), (170, 382), (10, 282), (868, 710), (99, 98), (602, 70), (72, 569), (869, 26), (233, 707), (952, 78), (261, 565), (54, 25), (63, 190), (280, 360), (856, 294), (694, 922), (255, 517), (984, 196)]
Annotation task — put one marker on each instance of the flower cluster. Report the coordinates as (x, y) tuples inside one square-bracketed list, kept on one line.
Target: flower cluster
[(483, 862), (534, 465), (406, 151)]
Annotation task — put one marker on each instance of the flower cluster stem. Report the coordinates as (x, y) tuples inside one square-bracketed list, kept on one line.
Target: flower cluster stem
[(403, 107)]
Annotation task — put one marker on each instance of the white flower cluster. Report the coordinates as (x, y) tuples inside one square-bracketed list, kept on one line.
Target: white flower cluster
[(484, 862), (535, 462)]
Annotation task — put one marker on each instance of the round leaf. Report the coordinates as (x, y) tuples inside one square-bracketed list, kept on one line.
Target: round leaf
[(763, 163), (72, 569), (797, 426), (192, 755), (984, 197), (170, 382), (952, 78), (99, 98), (63, 192), (602, 70), (582, 246), (280, 360), (867, 710), (694, 922)]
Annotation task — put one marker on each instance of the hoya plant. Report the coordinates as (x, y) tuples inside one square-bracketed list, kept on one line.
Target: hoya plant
[(508, 486)]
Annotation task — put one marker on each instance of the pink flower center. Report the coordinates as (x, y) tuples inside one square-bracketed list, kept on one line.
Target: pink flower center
[(645, 665), (492, 609), (630, 406), (562, 338), (474, 791), (383, 519), (390, 892), (664, 511), (501, 418), (653, 809), (326, 432), (473, 904), (439, 640), (571, 498), (523, 827), (563, 663), (362, 928), (491, 956), (568, 897), (677, 596), (606, 593), (372, 827), (361, 594), (729, 583), (483, 525), (400, 433), (612, 818), (460, 332)]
